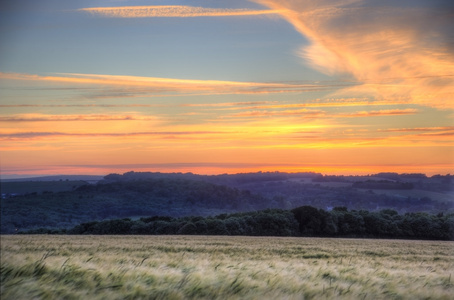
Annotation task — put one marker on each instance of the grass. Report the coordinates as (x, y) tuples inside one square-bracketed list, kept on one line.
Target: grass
[(200, 267)]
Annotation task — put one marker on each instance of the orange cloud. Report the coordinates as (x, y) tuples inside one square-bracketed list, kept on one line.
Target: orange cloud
[(180, 11), (261, 111), (251, 105), (295, 112), (224, 104), (79, 105), (395, 51), (66, 118), (318, 104), (437, 134), (41, 134), (163, 86), (420, 129), (380, 113)]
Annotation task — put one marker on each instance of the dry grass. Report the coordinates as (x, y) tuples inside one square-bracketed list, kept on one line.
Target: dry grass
[(199, 267)]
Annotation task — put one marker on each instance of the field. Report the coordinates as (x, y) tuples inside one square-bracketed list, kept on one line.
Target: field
[(200, 267)]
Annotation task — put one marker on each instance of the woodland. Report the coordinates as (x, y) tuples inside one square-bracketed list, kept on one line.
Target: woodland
[(276, 204)]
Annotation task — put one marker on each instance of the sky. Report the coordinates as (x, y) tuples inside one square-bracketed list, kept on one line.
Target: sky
[(226, 86)]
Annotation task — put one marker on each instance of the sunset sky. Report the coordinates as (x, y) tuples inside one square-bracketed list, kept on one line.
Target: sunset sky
[(226, 86)]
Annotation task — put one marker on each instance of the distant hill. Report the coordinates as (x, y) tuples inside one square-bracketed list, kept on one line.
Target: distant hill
[(63, 203), (162, 197), (57, 178), (16, 188), (57, 183)]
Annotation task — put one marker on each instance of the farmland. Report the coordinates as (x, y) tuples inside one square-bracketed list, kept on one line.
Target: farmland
[(202, 267)]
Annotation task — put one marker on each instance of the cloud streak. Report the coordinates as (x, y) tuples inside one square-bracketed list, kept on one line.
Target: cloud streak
[(78, 105), (178, 11), (70, 118), (381, 113), (311, 104), (311, 113), (420, 129), (164, 86), (41, 134), (397, 50), (251, 105), (307, 113)]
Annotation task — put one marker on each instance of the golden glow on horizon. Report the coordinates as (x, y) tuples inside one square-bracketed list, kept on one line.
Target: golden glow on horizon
[(215, 169), (272, 141)]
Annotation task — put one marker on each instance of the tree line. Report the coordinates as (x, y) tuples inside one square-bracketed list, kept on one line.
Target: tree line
[(301, 221), (178, 195)]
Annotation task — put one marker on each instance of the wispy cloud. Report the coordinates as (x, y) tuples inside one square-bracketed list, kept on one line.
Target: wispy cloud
[(380, 113), (438, 134), (397, 50), (312, 113), (419, 129), (308, 113), (341, 102), (164, 86), (67, 118), (251, 105), (179, 11), (224, 104), (79, 105), (41, 134)]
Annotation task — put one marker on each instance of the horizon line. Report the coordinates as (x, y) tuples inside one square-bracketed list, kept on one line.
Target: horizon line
[(15, 176)]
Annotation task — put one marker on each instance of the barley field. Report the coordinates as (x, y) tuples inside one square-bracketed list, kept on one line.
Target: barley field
[(207, 267)]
